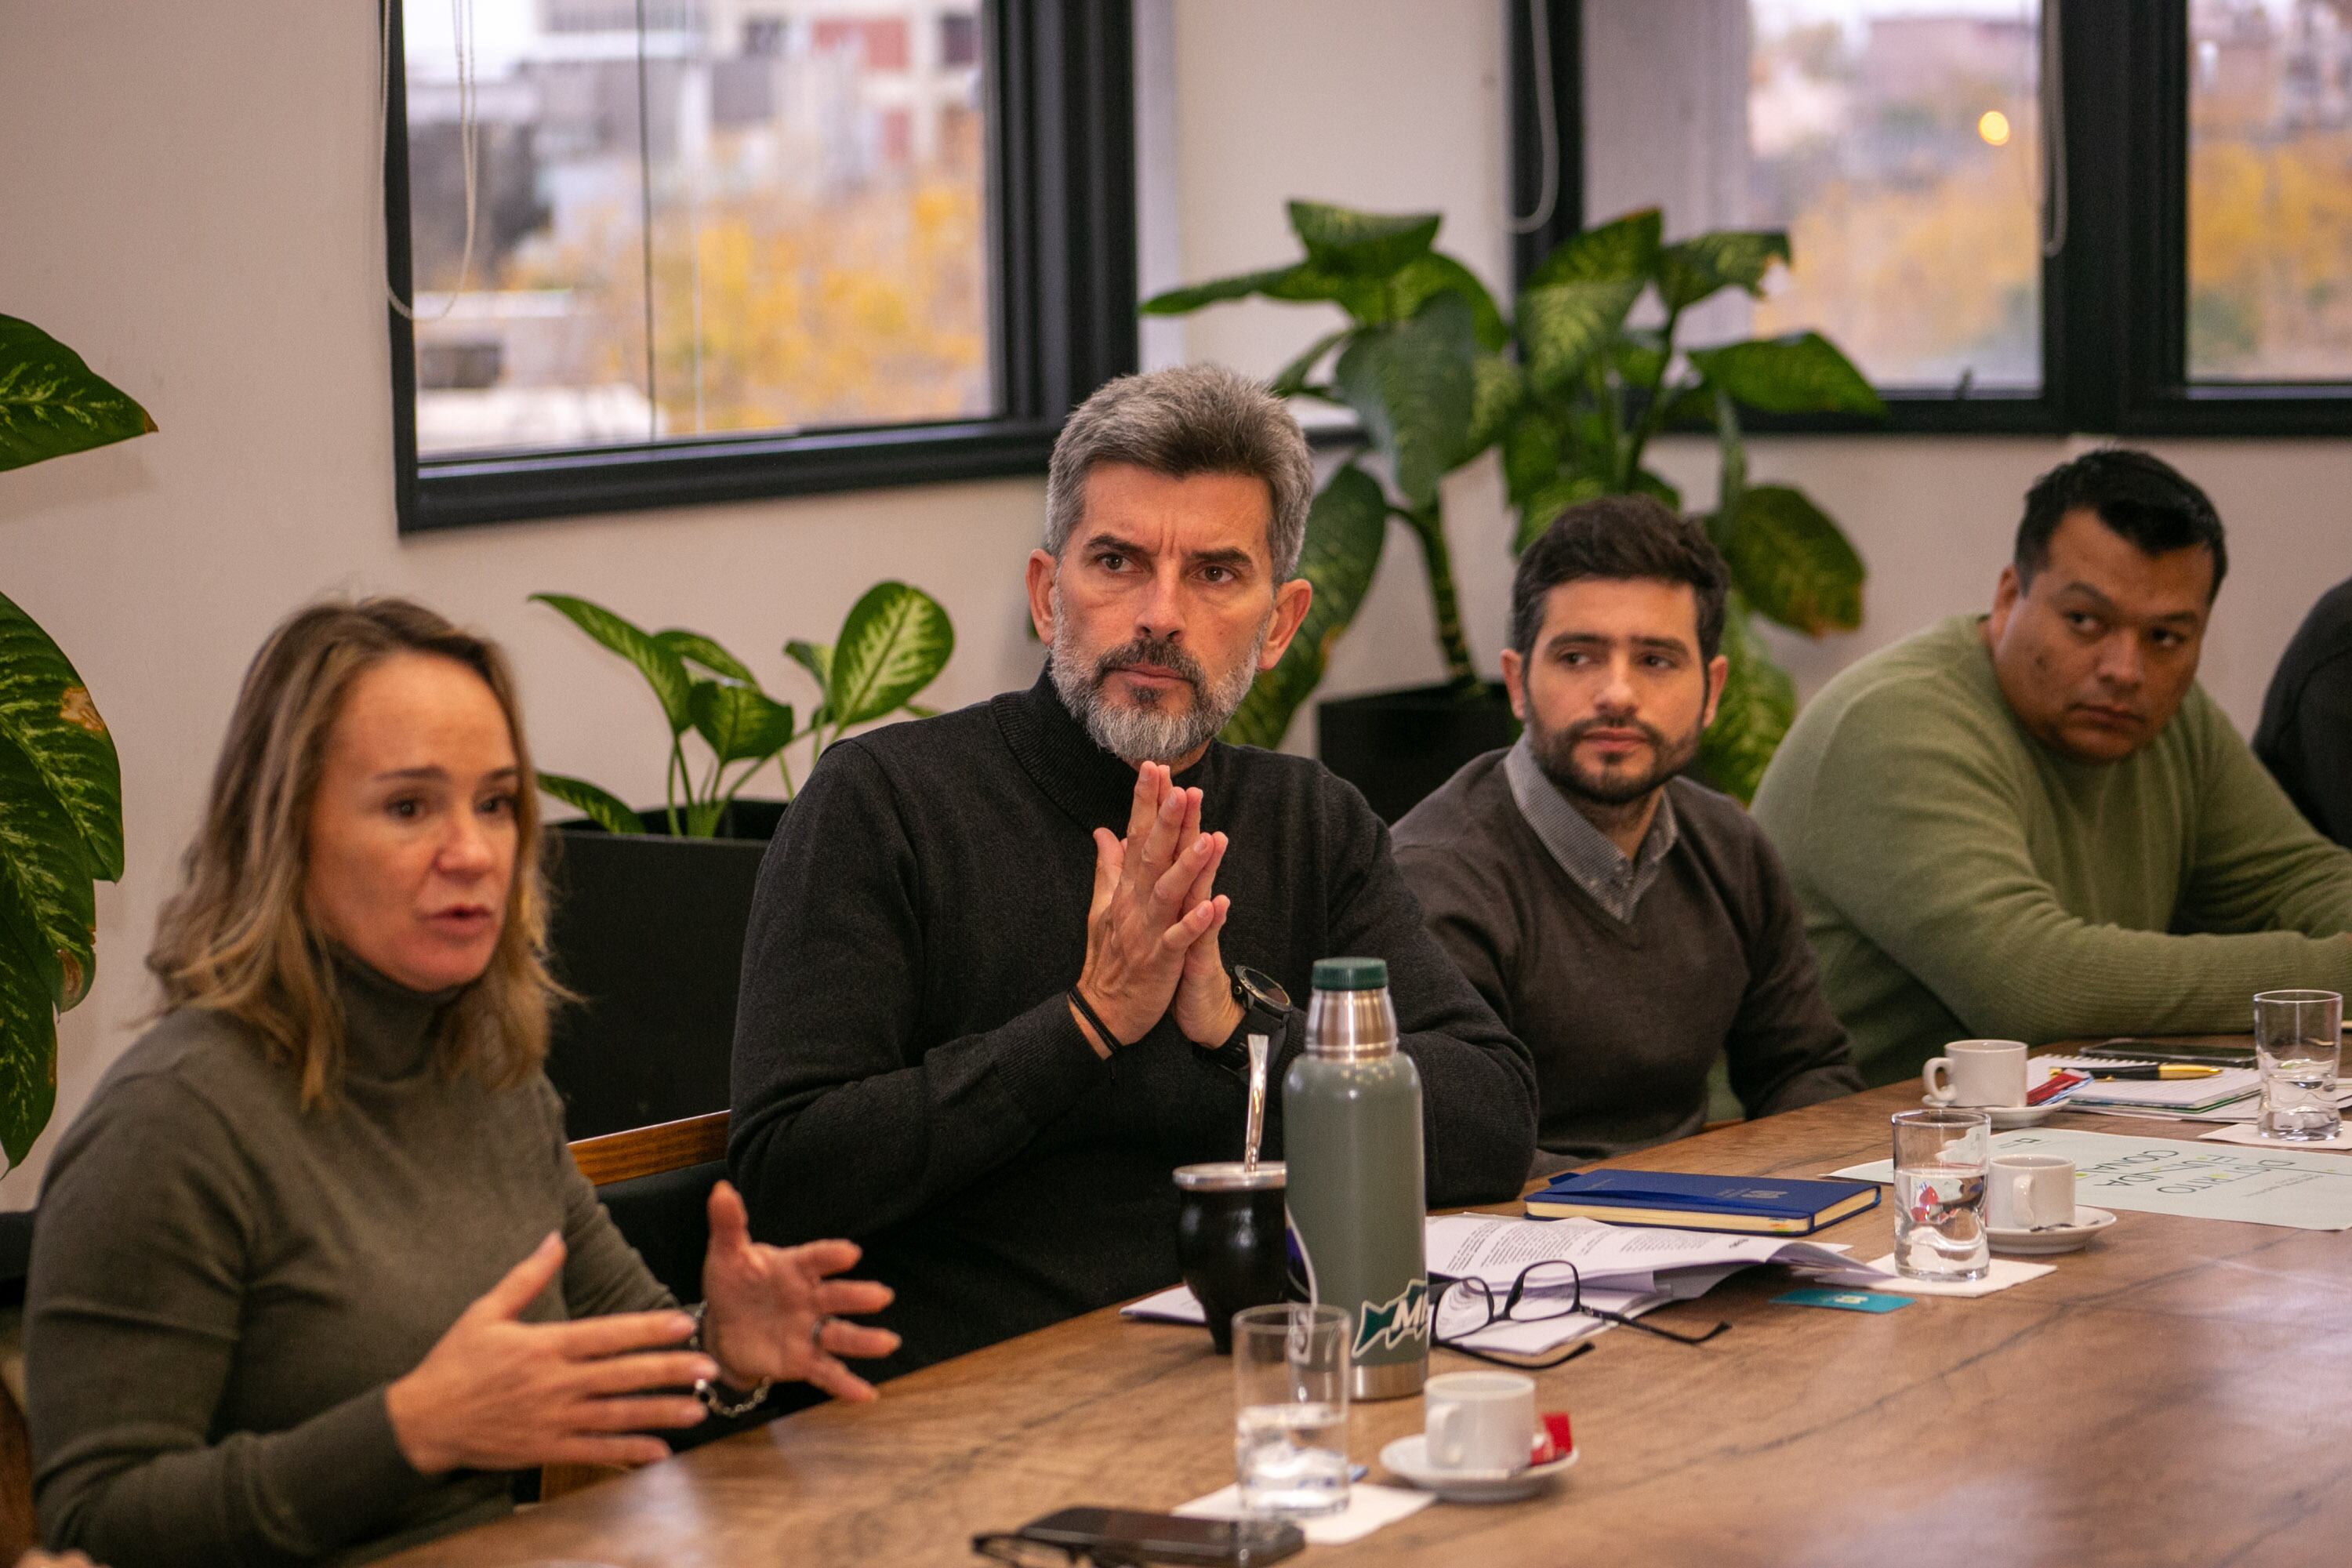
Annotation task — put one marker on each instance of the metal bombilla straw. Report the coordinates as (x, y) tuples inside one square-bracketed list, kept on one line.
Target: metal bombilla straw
[(1259, 1046)]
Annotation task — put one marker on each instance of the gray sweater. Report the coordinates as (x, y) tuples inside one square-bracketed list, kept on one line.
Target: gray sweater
[(223, 1284), (1626, 1019)]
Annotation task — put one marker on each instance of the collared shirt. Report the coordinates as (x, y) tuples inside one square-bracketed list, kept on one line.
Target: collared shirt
[(1583, 851)]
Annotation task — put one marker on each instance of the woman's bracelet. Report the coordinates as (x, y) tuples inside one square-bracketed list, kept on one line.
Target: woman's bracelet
[(707, 1389)]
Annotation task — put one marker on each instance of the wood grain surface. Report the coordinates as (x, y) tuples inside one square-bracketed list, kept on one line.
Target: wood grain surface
[(2181, 1394), (650, 1151)]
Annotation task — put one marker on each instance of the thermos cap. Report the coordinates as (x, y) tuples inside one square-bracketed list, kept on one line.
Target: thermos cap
[(1351, 973)]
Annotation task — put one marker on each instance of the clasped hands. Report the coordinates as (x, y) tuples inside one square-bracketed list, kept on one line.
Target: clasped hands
[(499, 1394), (1153, 923)]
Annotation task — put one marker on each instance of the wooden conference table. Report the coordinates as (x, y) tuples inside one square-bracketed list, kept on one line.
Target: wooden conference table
[(2181, 1393)]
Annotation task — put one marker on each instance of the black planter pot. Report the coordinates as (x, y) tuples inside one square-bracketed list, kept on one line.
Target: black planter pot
[(649, 932), (1398, 746)]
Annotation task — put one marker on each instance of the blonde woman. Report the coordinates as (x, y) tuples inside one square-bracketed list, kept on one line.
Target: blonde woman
[(314, 1267)]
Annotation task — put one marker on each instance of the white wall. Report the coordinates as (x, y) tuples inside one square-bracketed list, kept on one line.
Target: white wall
[(201, 218)]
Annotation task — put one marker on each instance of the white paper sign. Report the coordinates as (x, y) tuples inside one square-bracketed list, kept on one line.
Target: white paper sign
[(2168, 1175)]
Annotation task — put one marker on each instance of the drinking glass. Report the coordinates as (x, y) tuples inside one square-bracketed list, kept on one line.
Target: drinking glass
[(1290, 1409), (2298, 1041), (1940, 1187)]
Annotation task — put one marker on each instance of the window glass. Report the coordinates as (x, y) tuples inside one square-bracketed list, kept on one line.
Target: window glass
[(2270, 190), (1897, 143), (754, 216)]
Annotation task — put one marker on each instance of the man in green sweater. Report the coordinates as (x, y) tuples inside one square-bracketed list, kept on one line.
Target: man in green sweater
[(2035, 825)]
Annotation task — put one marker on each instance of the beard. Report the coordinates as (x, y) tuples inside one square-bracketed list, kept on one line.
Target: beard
[(1555, 752), (1150, 726)]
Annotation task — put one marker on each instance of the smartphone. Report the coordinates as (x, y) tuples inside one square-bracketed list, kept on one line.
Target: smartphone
[(2203, 1054), (1125, 1535)]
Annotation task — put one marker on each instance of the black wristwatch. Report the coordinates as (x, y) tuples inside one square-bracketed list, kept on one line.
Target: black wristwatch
[(1265, 1009)]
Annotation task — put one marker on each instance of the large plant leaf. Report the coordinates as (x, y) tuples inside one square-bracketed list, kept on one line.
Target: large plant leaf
[(48, 900), (1439, 274), (1367, 244), (47, 711), (1800, 373), (1727, 258), (1758, 704), (740, 721), (1497, 390), (664, 670), (1793, 564), (1531, 452), (1543, 506), (1292, 379), (1563, 325), (29, 1050), (606, 811), (1413, 387), (816, 658), (52, 404), (696, 649), (1620, 249), (1192, 297), (896, 641), (1345, 528)]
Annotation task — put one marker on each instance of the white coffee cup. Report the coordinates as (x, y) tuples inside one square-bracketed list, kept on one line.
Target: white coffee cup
[(2030, 1192), (1479, 1421), (1977, 1072)]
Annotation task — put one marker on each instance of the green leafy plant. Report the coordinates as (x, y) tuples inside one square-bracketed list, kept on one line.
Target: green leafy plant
[(1426, 366), (60, 781), (1422, 366), (894, 643), (1599, 390)]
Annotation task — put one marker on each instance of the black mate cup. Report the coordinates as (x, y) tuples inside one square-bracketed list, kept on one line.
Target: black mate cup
[(1230, 1239)]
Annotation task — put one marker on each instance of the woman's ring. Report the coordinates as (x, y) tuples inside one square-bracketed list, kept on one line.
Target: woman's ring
[(816, 1331)]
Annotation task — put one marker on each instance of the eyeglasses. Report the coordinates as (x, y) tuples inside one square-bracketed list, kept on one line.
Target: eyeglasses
[(1543, 1291)]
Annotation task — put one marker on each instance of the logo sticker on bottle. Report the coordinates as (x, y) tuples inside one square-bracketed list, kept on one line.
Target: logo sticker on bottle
[(1402, 1318)]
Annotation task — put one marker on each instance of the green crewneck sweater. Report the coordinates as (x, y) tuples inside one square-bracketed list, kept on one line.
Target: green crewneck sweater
[(223, 1283), (1961, 880)]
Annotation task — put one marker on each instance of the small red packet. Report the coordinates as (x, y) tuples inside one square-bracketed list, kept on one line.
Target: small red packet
[(1554, 1441)]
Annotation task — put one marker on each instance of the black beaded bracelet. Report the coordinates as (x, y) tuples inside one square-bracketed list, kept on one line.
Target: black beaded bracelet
[(1094, 1018)]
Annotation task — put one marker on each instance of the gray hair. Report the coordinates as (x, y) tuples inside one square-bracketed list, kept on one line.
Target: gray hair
[(1192, 419)]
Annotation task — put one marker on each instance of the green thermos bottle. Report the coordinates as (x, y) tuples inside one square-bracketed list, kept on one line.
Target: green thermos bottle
[(1351, 1135)]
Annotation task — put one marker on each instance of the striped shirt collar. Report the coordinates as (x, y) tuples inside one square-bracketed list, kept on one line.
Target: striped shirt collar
[(1583, 851)]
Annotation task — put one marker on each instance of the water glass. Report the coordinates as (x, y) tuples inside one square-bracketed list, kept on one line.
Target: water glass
[(1940, 1158), (2298, 1041), (1290, 1409)]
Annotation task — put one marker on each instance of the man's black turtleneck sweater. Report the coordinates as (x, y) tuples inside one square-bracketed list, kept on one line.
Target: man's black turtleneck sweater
[(907, 1071)]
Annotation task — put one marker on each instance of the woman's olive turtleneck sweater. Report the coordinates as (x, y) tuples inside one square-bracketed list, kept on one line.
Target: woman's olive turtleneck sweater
[(223, 1283)]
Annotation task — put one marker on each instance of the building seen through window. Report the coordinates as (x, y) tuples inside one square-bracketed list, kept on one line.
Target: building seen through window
[(756, 215), (2270, 190), (1897, 142)]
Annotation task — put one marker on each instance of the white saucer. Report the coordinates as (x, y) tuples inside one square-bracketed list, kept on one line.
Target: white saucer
[(2005, 1118), (1408, 1459), (2088, 1223)]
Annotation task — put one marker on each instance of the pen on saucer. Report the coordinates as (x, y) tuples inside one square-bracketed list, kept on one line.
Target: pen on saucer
[(2156, 1071)]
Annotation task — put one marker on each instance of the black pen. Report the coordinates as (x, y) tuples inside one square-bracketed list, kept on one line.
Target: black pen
[(2155, 1070)]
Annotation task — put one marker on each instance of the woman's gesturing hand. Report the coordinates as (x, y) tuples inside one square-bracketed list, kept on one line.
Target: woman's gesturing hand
[(497, 1393), (775, 1311)]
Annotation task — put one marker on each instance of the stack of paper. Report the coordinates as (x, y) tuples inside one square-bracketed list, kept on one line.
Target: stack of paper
[(2233, 1094)]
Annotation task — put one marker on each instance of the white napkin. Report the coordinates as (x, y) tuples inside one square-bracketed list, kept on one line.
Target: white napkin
[(1369, 1508), (1879, 1274), (2249, 1132)]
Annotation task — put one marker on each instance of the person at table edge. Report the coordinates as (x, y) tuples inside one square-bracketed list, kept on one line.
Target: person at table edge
[(1632, 926), (2306, 735), (2035, 825), (988, 1000)]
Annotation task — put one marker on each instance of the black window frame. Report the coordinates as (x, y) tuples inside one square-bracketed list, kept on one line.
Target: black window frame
[(2115, 324), (1060, 118)]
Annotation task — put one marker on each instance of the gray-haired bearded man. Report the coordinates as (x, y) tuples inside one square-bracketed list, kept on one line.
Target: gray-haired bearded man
[(989, 1000)]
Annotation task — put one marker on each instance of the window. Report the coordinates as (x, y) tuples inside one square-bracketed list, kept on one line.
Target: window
[(2270, 191), (2154, 238), (692, 249)]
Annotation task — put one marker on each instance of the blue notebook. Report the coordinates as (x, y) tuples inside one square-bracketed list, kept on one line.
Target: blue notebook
[(1760, 1206)]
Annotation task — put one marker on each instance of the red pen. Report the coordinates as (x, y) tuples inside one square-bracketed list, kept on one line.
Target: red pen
[(2056, 1084)]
